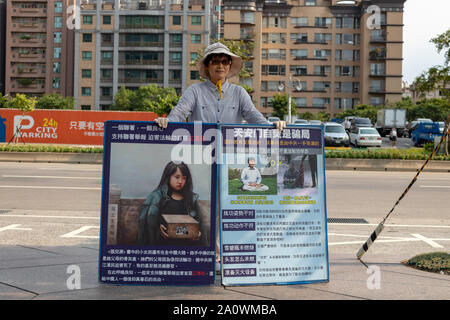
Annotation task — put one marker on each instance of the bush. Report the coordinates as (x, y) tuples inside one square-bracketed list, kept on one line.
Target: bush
[(434, 262)]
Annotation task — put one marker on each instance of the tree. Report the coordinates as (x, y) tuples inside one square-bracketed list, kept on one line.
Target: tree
[(146, 98), (437, 77), (362, 111), (3, 101), (24, 104), (55, 101), (280, 104)]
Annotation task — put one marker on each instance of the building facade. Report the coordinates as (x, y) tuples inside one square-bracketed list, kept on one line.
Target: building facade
[(2, 47), (137, 42), (39, 48), (330, 55)]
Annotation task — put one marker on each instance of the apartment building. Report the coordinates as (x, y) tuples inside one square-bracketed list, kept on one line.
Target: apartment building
[(39, 48), (2, 47), (131, 43), (328, 54)]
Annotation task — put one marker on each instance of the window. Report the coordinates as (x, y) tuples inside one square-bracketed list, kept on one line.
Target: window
[(176, 20), (376, 101), (57, 37), (196, 20), (347, 55), (344, 103), (106, 73), (298, 70), (321, 102), (194, 56), (150, 37), (321, 85), (58, 7), (85, 107), (246, 82), (274, 54), (322, 37), (86, 73), (299, 37), (273, 86), (196, 38), (195, 75), (58, 22), (106, 19), (322, 54), (87, 37), (106, 91), (299, 102), (56, 67), (322, 22), (310, 2), (300, 21), (175, 57), (86, 55), (273, 70), (348, 23), (377, 69), (299, 53), (57, 52), (247, 17), (322, 70), (107, 55), (176, 39), (274, 38), (56, 83), (274, 22), (86, 91), (175, 75), (376, 85), (88, 19)]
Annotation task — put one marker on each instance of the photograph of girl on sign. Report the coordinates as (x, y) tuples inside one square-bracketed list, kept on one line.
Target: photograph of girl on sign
[(173, 198)]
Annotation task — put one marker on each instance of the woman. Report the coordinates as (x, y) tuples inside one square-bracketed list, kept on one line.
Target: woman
[(173, 195), (216, 100)]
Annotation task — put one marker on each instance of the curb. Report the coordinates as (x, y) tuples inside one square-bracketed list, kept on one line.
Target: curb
[(330, 163)]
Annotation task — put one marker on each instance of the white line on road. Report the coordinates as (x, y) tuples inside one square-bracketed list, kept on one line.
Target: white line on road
[(427, 240), (46, 187), (13, 227), (435, 187), (75, 233), (388, 225), (50, 177)]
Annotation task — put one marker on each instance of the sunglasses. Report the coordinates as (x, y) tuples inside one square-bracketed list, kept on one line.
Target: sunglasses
[(216, 62)]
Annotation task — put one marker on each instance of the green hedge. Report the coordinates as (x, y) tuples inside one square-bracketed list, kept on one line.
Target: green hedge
[(400, 154), (434, 262), (48, 148)]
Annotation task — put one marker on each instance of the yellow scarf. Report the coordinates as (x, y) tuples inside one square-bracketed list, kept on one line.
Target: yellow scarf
[(219, 88)]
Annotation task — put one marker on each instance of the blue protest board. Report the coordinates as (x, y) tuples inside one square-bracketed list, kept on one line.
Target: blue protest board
[(158, 204), (272, 205)]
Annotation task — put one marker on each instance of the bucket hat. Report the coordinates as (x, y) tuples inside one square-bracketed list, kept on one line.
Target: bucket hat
[(219, 48)]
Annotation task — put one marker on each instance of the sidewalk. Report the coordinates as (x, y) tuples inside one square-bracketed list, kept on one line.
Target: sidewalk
[(41, 273)]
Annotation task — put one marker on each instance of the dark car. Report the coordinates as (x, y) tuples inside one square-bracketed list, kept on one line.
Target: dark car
[(361, 123)]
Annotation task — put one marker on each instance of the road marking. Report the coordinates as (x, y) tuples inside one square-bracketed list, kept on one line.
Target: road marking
[(49, 177), (13, 227), (75, 233), (45, 187), (434, 186), (388, 225), (427, 240), (52, 217)]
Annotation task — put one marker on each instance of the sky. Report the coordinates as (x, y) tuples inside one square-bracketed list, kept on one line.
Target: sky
[(423, 20)]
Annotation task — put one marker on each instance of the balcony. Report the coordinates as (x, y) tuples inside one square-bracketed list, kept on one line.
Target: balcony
[(142, 5), (141, 44)]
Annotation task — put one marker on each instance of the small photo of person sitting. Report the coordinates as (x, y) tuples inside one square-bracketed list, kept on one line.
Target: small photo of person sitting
[(251, 178), (171, 202)]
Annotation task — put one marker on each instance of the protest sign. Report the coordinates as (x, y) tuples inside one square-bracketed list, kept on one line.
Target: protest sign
[(272, 205), (158, 204)]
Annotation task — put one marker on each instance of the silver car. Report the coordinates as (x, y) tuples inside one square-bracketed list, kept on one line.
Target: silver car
[(335, 135)]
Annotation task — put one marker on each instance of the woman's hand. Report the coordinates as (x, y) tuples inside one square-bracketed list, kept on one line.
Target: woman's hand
[(162, 122), (280, 125), (163, 230)]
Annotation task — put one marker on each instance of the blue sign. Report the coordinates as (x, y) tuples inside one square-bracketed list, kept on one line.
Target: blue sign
[(272, 205)]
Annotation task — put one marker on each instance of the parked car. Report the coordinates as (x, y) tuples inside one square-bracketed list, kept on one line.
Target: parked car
[(271, 120), (315, 122), (365, 137), (335, 135), (361, 122), (301, 121)]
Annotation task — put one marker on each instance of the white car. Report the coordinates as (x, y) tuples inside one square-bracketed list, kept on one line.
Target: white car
[(365, 137), (301, 121), (315, 122), (441, 126), (271, 120)]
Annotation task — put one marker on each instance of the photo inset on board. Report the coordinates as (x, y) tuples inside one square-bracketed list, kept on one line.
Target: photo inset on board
[(252, 177), (155, 201), (297, 174)]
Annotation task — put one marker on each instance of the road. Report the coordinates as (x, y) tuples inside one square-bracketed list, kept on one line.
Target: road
[(59, 205)]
